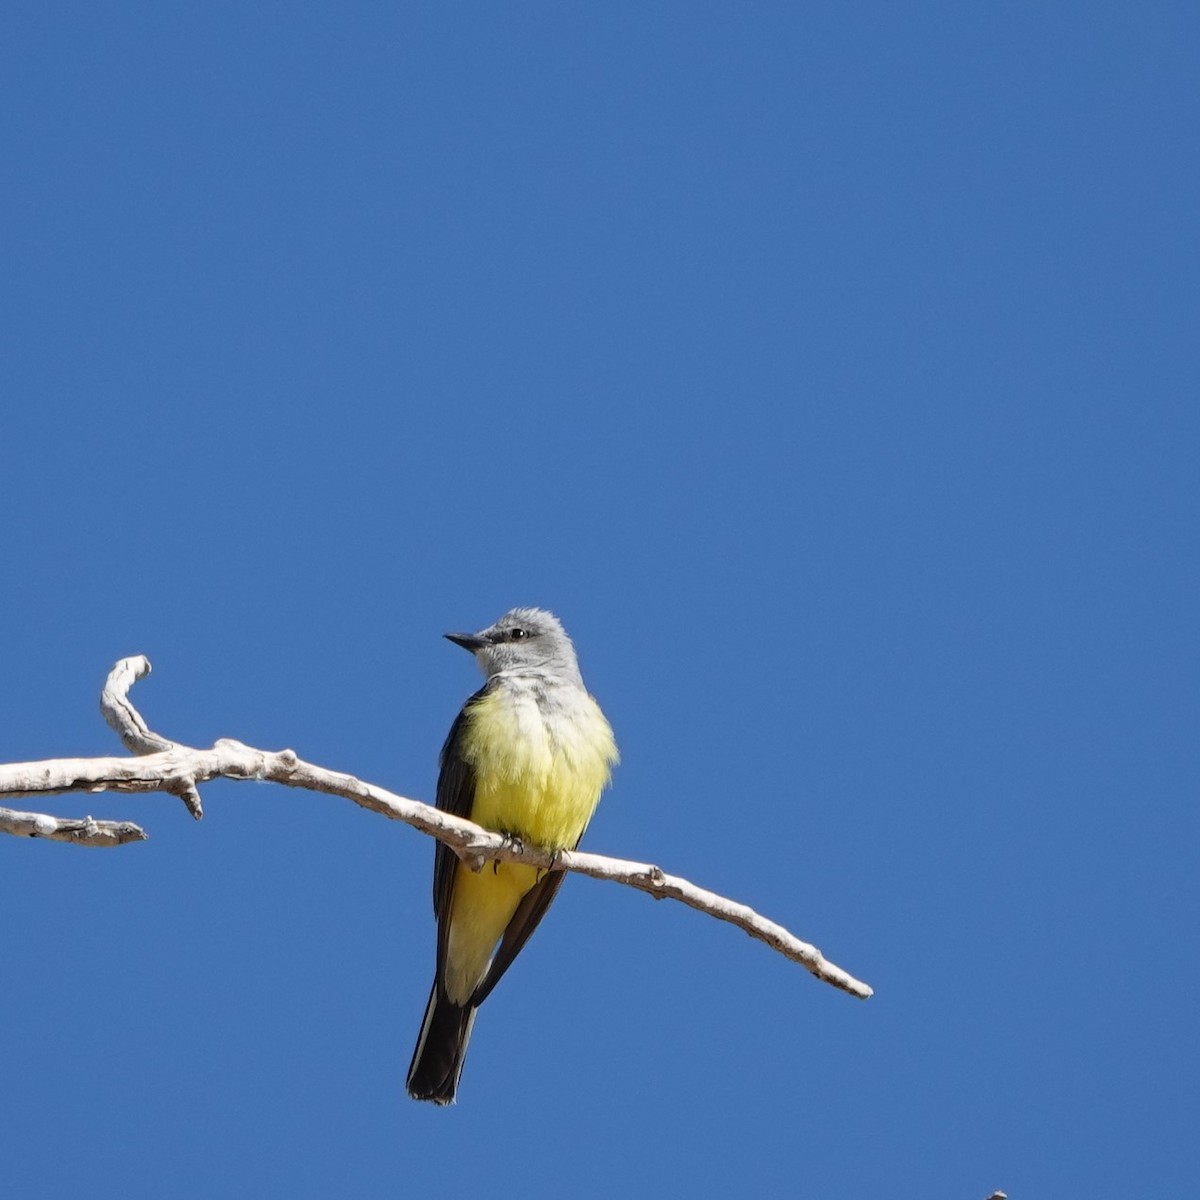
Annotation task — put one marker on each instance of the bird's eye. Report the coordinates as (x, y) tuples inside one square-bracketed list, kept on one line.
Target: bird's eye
[(518, 635)]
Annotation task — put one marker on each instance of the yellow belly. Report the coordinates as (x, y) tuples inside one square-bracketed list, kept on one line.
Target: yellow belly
[(539, 772)]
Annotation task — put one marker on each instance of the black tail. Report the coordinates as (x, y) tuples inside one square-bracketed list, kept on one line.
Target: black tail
[(441, 1047)]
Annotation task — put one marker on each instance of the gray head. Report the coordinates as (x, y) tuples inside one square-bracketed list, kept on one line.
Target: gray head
[(525, 641)]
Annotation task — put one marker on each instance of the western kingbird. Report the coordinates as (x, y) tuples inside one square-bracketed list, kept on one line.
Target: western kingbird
[(528, 756)]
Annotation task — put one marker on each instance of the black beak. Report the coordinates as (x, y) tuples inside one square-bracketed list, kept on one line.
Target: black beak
[(468, 641)]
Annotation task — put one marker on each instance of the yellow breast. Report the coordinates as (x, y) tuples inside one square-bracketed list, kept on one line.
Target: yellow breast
[(541, 760)]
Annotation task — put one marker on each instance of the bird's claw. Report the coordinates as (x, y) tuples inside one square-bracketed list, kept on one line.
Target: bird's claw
[(511, 842)]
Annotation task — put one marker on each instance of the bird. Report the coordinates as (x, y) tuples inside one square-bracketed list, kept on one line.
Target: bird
[(528, 757)]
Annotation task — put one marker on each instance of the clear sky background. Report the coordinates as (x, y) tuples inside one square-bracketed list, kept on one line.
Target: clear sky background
[(833, 373)]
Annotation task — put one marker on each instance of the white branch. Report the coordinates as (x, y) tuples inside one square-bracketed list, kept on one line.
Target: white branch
[(82, 831), (135, 734), (165, 766)]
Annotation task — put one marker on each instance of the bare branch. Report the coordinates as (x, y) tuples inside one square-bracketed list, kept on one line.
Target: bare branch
[(166, 766), (125, 720), (135, 734), (81, 831)]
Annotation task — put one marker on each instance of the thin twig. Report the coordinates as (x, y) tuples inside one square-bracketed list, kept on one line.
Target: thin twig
[(135, 734), (80, 831), (165, 766)]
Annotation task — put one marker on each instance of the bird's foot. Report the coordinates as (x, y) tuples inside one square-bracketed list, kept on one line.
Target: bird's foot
[(511, 842)]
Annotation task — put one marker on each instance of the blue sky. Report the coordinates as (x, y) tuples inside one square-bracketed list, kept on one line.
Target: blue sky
[(831, 372)]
